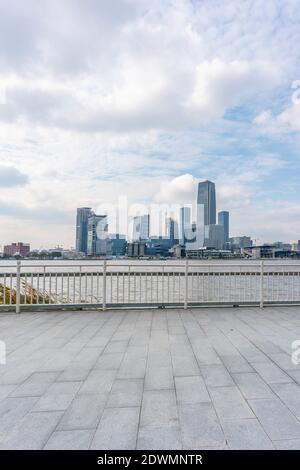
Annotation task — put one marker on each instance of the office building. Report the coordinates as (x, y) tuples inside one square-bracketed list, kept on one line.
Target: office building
[(83, 214), (98, 242), (172, 230), (223, 219), (214, 236), (206, 213), (118, 244), (184, 223), (141, 228)]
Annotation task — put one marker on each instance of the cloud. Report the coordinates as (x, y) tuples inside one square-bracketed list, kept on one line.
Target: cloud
[(181, 189), (10, 177)]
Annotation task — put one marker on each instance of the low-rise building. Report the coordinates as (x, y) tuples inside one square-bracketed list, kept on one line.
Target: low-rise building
[(17, 249)]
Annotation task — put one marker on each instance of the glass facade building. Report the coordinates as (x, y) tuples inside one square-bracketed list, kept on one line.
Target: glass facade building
[(207, 200), (83, 214)]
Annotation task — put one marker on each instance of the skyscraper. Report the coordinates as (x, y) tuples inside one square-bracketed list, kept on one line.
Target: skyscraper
[(223, 219), (98, 242), (184, 223), (83, 213), (141, 228), (172, 230), (207, 202)]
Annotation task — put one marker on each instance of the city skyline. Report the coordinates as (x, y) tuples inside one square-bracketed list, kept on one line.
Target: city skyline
[(95, 115)]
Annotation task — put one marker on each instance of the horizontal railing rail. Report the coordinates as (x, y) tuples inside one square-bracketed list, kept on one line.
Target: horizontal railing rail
[(28, 285)]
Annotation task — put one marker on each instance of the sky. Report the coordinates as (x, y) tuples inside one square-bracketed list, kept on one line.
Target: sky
[(143, 99)]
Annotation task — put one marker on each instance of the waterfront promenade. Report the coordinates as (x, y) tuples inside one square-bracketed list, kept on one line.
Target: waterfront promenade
[(207, 378)]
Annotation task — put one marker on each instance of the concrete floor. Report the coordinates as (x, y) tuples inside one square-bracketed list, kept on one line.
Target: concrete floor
[(213, 378)]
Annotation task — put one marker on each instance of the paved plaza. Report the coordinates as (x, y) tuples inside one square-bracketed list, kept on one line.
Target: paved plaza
[(207, 378)]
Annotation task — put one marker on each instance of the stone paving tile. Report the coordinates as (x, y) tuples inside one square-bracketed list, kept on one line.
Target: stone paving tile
[(191, 390), (84, 412), (98, 381), (271, 373), (159, 408), (32, 432), (165, 437), (12, 410), (246, 434), (290, 395), (252, 386), (110, 373), (58, 396), (126, 393), (276, 419), (159, 378), (70, 440), (200, 426), (109, 361), (6, 390), (290, 444), (117, 429), (216, 376), (230, 404), (36, 385), (236, 364)]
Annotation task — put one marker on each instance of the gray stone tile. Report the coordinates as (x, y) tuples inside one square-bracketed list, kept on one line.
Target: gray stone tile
[(13, 410), (126, 393), (132, 367), (58, 396), (252, 386), (116, 347), (191, 390), (236, 364), (84, 412), (98, 381), (200, 426), (32, 432), (230, 404), (215, 375), (159, 378), (117, 429), (290, 444), (276, 419), (6, 390), (290, 395), (164, 437), (70, 440), (159, 408), (36, 385), (243, 434), (109, 361), (271, 373)]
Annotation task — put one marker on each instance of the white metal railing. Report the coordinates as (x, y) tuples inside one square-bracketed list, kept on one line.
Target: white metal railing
[(117, 284)]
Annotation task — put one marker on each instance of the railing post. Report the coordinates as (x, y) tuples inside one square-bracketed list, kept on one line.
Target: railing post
[(104, 286), (186, 284), (18, 287), (261, 284)]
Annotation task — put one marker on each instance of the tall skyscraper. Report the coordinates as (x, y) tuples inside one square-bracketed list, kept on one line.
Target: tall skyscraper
[(98, 242), (172, 230), (83, 213), (141, 228), (207, 202), (184, 223), (223, 219)]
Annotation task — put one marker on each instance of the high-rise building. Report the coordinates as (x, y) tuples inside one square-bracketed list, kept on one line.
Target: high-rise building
[(206, 213), (223, 219), (141, 228), (98, 242), (184, 223), (172, 230), (83, 213), (214, 236)]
